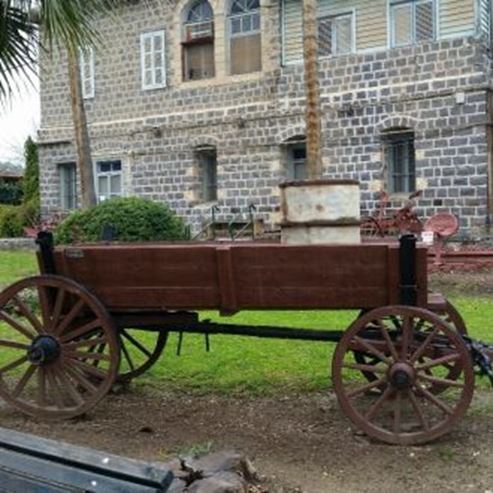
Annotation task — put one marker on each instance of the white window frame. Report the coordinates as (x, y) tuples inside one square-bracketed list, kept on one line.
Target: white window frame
[(143, 38), (108, 174), (395, 4), (333, 17), (84, 77)]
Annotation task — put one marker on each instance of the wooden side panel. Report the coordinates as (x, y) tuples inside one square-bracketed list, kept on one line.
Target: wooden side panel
[(311, 276), (145, 277), (235, 277)]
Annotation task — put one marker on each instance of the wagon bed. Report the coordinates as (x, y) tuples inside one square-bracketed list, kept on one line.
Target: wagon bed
[(234, 277), (402, 371)]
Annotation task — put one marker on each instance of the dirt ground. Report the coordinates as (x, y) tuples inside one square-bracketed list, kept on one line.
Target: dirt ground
[(299, 443)]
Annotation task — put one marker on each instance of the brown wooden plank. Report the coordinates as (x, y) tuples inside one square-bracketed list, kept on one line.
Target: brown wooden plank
[(309, 298), (150, 267), (227, 287), (166, 298), (311, 266)]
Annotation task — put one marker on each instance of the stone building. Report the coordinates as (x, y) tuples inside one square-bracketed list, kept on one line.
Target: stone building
[(201, 103)]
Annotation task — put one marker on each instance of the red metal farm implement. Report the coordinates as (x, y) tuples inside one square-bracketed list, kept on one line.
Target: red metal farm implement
[(403, 371)]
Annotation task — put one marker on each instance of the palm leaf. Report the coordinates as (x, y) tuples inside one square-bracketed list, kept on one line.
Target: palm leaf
[(18, 41), (64, 23)]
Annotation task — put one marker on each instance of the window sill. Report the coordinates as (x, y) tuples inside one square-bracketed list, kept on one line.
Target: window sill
[(221, 80), (154, 88), (399, 196)]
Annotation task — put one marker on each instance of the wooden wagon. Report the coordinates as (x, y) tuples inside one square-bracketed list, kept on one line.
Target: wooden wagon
[(402, 371)]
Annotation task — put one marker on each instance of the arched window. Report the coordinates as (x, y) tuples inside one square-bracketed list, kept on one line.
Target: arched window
[(198, 41), (400, 161), (245, 52)]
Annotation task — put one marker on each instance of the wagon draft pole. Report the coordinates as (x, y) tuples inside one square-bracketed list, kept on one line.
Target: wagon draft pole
[(403, 371)]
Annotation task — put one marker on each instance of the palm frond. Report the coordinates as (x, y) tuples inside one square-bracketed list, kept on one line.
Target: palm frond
[(18, 42), (64, 23)]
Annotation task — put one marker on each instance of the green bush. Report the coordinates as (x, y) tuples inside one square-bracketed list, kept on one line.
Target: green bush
[(132, 219), (11, 221)]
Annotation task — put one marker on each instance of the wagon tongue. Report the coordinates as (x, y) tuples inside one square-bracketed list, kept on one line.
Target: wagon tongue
[(482, 356)]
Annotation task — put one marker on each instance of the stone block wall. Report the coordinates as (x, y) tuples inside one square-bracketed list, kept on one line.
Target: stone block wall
[(440, 90)]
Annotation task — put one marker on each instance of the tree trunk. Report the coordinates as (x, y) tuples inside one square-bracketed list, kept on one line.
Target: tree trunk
[(312, 91), (84, 161)]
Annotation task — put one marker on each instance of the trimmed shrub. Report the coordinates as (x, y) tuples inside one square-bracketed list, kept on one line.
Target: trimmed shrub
[(131, 219), (11, 221)]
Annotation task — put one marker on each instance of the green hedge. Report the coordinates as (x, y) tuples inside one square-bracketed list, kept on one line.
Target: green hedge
[(12, 221), (132, 219)]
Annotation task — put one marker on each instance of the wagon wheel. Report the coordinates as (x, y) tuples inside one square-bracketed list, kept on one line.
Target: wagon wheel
[(50, 327), (451, 316), (370, 227), (139, 351), (411, 360)]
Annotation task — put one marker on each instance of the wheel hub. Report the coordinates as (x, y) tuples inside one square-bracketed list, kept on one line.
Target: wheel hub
[(402, 376), (44, 350)]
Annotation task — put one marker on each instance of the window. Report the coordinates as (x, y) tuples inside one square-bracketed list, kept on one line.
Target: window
[(207, 160), (245, 53), (153, 60), (412, 21), (67, 173), (108, 179), (86, 61), (400, 161), (198, 42), (296, 159), (335, 35)]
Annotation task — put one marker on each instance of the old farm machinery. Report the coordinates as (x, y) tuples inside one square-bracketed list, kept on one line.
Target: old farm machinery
[(403, 371)]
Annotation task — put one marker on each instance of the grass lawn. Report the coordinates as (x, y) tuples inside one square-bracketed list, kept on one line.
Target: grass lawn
[(254, 366)]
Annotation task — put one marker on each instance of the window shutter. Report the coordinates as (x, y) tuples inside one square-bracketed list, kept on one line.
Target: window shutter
[(86, 63), (153, 60), (246, 54), (325, 37), (402, 25), (344, 34), (292, 31), (425, 25)]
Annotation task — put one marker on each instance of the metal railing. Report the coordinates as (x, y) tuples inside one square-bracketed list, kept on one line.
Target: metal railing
[(234, 235), (210, 228)]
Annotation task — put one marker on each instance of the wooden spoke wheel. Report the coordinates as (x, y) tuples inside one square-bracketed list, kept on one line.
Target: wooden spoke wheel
[(450, 315), (59, 353), (453, 318), (370, 227), (414, 348), (139, 351)]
